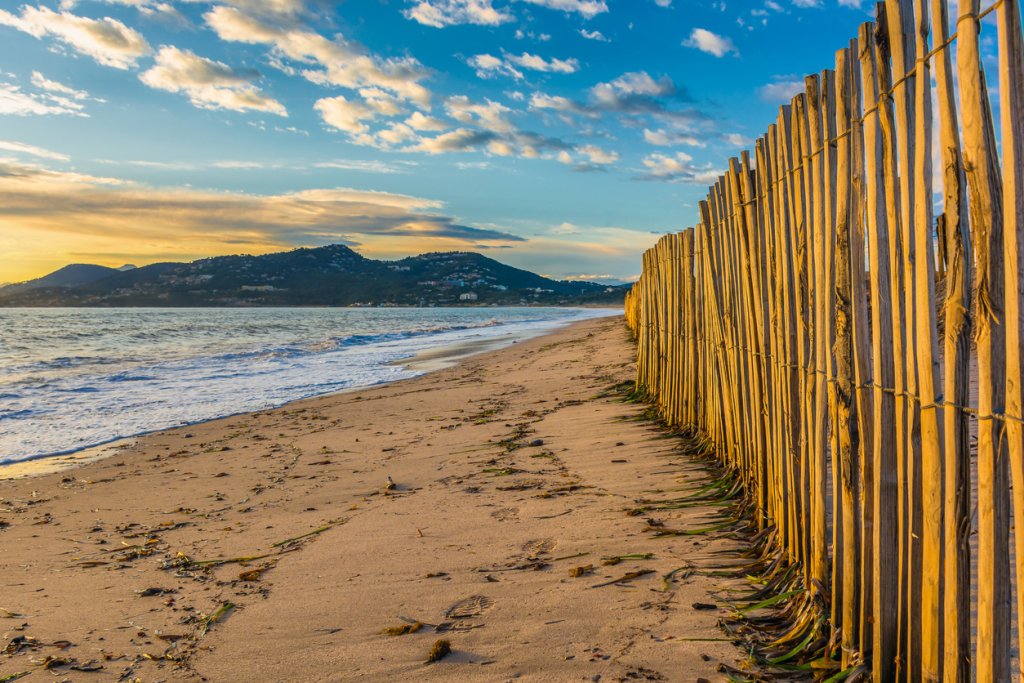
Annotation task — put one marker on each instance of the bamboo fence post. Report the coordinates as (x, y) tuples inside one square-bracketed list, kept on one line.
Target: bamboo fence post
[(899, 16), (750, 242), (927, 352), (845, 381), (884, 592), (1011, 94), (829, 172), (956, 252), (860, 327), (823, 296), (992, 658)]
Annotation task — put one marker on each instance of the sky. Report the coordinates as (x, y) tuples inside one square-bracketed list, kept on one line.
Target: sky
[(560, 136)]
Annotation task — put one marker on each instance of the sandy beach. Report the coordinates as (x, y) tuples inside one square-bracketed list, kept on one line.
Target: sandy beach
[(476, 504)]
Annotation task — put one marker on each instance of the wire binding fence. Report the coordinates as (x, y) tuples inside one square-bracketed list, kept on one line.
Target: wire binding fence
[(822, 323)]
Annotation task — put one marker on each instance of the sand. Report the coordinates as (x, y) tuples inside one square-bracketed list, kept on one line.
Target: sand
[(513, 472)]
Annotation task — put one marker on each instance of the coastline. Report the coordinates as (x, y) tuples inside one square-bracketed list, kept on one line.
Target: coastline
[(419, 362), (270, 542)]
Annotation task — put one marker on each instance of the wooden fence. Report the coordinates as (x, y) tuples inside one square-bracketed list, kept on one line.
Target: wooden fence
[(823, 322)]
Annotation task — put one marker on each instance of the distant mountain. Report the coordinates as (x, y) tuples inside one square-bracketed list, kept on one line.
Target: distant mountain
[(325, 276), (73, 275)]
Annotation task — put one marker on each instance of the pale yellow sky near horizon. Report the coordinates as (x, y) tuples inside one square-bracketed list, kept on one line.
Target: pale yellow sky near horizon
[(50, 218)]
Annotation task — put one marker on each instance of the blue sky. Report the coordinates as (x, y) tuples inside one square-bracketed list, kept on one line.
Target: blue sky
[(562, 136)]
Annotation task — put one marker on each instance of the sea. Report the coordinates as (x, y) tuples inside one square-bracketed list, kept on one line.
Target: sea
[(73, 378)]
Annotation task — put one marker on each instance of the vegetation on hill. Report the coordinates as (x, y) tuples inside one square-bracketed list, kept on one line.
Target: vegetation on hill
[(325, 276)]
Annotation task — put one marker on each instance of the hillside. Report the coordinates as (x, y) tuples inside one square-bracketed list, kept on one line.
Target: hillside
[(325, 276)]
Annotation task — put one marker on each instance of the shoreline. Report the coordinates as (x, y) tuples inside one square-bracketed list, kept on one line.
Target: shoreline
[(421, 362), (272, 544)]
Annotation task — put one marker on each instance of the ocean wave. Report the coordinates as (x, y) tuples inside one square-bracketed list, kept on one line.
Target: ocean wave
[(252, 360)]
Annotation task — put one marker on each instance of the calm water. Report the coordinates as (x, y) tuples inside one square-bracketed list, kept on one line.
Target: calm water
[(73, 378)]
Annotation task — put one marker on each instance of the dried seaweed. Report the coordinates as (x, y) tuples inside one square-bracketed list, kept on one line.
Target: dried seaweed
[(403, 630), (439, 651)]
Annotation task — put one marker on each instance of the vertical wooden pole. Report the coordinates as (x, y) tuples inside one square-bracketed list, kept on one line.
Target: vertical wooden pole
[(954, 237), (823, 297), (992, 659), (927, 351), (863, 376), (845, 390), (1011, 94), (883, 539)]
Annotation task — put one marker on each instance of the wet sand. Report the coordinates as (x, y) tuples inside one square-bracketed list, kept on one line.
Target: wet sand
[(479, 501)]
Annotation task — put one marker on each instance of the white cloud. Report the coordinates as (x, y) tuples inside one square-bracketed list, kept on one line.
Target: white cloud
[(541, 100), (441, 13), (44, 83), (711, 43), (677, 168), (381, 102), (488, 66), (489, 116), (367, 166), (420, 121), (587, 8), (32, 150), (737, 139), (16, 102), (535, 63), (335, 62), (594, 35), (344, 115), (458, 140), (663, 138), (663, 3), (146, 7), (598, 155), (208, 84), (781, 89), (108, 41)]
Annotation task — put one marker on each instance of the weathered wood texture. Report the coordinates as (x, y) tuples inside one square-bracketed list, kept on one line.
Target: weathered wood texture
[(819, 326)]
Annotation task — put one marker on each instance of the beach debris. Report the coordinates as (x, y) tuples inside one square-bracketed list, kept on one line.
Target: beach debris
[(439, 651), (19, 643), (153, 591), (582, 570), (668, 580), (52, 662), (254, 574), (536, 442), (570, 557), (704, 606), (628, 576), (390, 485), (502, 471), (8, 614), (434, 575), (314, 532), (616, 559), (13, 677), (564, 512), (473, 606), (207, 622), (91, 665), (403, 630)]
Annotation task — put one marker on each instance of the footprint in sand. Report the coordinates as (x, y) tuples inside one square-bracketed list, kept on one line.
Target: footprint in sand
[(473, 606), (539, 547), (506, 515)]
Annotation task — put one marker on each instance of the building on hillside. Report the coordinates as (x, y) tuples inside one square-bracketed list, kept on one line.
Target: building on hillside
[(468, 296)]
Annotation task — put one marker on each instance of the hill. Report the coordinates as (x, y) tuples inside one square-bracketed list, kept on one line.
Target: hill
[(333, 275)]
